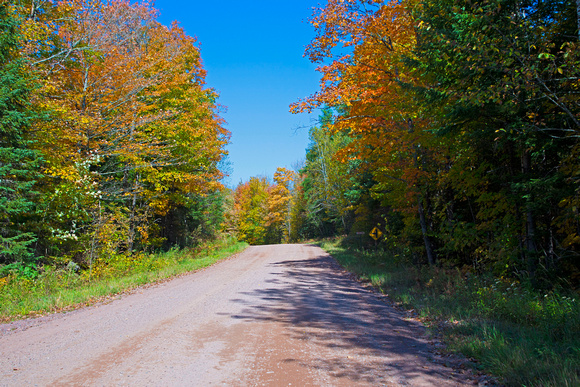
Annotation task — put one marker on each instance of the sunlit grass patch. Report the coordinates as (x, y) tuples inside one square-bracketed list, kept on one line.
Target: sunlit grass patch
[(67, 288)]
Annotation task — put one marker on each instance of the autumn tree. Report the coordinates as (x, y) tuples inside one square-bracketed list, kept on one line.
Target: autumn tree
[(137, 131), (251, 210), (261, 212), (362, 47), (279, 196)]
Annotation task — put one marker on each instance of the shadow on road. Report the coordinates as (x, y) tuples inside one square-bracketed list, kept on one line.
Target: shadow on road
[(357, 335)]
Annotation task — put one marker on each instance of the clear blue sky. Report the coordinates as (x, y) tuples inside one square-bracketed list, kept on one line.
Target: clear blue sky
[(253, 53)]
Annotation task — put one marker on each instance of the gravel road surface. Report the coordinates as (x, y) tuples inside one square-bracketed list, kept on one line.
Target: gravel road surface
[(271, 316)]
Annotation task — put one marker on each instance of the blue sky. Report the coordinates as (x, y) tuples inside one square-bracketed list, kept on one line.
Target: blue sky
[(253, 53)]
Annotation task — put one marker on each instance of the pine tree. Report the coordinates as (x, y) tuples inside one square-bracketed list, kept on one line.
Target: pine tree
[(19, 164)]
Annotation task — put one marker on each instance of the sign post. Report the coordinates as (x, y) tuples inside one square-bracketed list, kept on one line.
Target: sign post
[(360, 238)]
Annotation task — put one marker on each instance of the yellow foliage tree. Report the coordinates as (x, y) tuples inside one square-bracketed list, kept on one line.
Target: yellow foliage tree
[(279, 196)]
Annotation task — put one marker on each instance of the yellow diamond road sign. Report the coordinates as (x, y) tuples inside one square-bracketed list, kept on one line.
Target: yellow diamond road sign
[(376, 233)]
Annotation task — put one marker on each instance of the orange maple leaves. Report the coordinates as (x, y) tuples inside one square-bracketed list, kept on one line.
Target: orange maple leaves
[(361, 46), (126, 87), (131, 120)]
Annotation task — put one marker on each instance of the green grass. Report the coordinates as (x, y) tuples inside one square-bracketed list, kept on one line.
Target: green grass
[(64, 289), (521, 336)]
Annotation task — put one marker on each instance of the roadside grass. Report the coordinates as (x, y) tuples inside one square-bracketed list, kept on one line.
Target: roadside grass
[(522, 337), (56, 290)]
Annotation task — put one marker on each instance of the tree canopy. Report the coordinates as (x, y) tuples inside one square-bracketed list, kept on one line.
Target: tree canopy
[(108, 132)]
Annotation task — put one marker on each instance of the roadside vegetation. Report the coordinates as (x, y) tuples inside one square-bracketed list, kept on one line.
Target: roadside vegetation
[(29, 294), (523, 336)]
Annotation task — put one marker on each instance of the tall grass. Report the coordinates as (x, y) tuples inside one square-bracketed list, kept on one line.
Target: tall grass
[(523, 337), (67, 288)]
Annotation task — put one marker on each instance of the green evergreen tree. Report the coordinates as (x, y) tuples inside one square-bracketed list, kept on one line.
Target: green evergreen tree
[(19, 164)]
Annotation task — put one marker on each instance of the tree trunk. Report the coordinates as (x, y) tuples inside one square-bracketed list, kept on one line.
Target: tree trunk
[(428, 246), (530, 244), (131, 236), (531, 232), (551, 250)]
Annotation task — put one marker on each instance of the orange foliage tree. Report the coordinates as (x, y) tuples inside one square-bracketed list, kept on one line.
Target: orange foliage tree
[(133, 131), (361, 46), (251, 210)]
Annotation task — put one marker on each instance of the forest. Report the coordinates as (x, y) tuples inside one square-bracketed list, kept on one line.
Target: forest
[(110, 144), (452, 126)]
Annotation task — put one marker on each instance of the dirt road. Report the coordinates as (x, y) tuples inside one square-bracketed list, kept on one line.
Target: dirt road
[(271, 316)]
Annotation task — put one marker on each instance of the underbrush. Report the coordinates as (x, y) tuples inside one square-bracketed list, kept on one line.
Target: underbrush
[(53, 290), (523, 337)]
